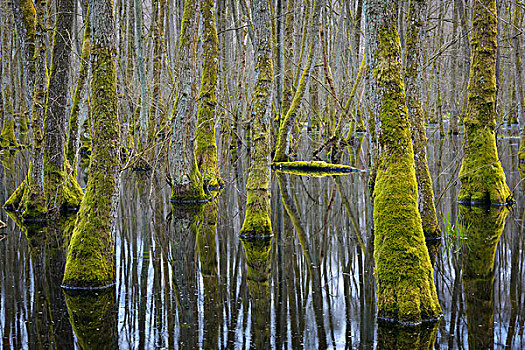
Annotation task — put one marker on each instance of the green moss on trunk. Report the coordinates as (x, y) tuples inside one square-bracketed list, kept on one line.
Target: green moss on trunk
[(482, 177), (405, 280)]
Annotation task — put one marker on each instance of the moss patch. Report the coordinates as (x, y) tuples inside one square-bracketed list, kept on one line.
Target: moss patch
[(313, 168)]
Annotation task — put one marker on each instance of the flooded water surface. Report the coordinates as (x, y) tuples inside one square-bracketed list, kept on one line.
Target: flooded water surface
[(185, 279)]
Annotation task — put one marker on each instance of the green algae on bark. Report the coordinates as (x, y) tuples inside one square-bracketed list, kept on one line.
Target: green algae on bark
[(413, 83), (205, 143), (482, 177), (91, 257), (404, 275), (485, 228)]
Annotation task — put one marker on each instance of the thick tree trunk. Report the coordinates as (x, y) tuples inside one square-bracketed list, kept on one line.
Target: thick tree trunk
[(482, 177), (405, 280), (413, 84), (91, 257)]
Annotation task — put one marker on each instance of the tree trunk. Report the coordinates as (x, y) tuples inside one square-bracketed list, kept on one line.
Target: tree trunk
[(60, 185), (257, 219), (187, 184), (73, 137), (413, 84), (91, 258), (482, 177), (205, 143), (405, 280)]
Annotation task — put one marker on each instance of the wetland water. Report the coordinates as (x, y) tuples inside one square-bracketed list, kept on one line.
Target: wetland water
[(186, 280)]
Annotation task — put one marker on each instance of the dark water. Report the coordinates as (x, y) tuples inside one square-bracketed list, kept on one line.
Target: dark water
[(185, 279)]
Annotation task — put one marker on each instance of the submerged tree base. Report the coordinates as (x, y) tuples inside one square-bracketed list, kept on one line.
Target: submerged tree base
[(313, 168)]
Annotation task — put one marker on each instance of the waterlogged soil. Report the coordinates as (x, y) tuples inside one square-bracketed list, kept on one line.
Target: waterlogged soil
[(185, 279)]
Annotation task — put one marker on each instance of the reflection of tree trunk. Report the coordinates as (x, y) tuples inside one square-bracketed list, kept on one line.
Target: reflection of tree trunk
[(93, 317), (422, 337), (258, 259), (184, 281), (205, 229), (484, 229), (46, 246)]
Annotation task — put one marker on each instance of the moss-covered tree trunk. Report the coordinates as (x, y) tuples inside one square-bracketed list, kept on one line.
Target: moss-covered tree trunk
[(405, 280), (91, 257), (187, 184), (484, 229), (73, 136), (482, 177), (29, 196), (413, 83), (60, 187), (205, 143), (257, 219)]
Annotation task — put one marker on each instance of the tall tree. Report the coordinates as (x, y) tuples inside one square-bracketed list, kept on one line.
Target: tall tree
[(482, 177), (404, 274), (91, 257)]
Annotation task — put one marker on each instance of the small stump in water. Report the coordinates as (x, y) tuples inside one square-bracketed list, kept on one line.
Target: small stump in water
[(313, 168)]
